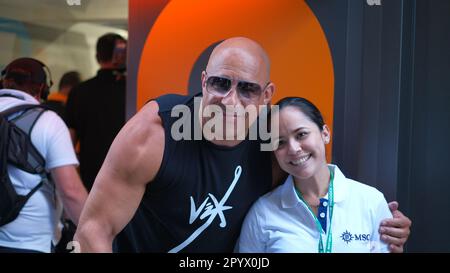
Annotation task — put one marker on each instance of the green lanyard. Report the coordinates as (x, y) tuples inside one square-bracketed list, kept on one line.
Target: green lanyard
[(318, 225)]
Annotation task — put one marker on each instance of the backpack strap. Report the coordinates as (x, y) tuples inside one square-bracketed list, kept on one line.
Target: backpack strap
[(33, 162), (18, 108), (28, 118)]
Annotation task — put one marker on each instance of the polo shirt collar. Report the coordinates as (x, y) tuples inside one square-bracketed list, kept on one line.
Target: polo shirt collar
[(289, 198)]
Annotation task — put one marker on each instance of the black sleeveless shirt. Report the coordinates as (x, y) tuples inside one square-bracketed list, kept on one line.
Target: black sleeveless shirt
[(200, 195)]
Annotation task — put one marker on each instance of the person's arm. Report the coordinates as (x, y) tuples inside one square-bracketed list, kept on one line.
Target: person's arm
[(132, 161), (71, 190), (395, 231)]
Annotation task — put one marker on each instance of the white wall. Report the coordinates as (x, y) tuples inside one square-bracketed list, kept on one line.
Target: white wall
[(62, 36)]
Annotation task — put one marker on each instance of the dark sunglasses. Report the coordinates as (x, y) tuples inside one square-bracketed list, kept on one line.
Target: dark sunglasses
[(221, 86)]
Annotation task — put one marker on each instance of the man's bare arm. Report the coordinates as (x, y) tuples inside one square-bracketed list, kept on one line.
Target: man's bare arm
[(132, 161), (71, 190)]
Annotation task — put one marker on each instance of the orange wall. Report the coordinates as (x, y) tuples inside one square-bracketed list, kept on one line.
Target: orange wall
[(287, 29)]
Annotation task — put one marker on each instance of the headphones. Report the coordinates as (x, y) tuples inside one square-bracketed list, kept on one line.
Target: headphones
[(45, 90)]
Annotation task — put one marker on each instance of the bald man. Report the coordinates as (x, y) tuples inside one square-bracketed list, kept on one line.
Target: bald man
[(166, 194)]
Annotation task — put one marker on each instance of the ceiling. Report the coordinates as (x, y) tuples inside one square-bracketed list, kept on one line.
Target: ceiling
[(59, 14)]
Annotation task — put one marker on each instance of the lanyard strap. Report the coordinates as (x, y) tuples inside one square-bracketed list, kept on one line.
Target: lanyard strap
[(318, 225)]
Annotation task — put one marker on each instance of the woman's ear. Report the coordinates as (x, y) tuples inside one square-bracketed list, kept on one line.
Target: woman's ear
[(326, 135)]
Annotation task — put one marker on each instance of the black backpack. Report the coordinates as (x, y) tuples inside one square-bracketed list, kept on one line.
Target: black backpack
[(16, 149)]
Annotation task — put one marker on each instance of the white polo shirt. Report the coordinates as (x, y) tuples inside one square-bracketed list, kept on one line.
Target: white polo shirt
[(280, 222), (35, 226)]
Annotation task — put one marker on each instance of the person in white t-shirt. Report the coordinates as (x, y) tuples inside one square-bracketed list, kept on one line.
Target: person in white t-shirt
[(317, 209), (24, 81)]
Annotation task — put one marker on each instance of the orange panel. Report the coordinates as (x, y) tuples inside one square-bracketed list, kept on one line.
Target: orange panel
[(287, 29)]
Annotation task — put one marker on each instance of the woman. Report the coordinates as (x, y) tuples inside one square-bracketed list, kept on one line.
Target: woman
[(317, 209)]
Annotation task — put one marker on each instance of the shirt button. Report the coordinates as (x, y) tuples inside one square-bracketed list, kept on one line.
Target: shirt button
[(322, 215), (325, 203)]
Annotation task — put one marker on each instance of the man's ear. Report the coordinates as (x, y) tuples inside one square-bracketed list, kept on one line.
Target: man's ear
[(268, 93), (203, 80), (40, 94)]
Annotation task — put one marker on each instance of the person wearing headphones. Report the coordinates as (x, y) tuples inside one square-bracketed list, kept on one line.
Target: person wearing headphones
[(27, 81)]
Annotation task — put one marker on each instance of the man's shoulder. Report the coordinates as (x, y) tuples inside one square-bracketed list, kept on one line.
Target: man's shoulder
[(86, 86), (147, 119), (169, 101), (51, 121), (139, 146), (47, 133)]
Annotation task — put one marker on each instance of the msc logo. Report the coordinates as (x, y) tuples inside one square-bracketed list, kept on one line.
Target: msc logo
[(362, 237), (348, 237), (73, 2)]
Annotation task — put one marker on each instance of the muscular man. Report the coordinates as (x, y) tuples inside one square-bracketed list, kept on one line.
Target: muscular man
[(190, 195)]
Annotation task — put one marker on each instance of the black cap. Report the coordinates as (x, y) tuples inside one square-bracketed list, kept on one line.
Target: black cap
[(27, 69)]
